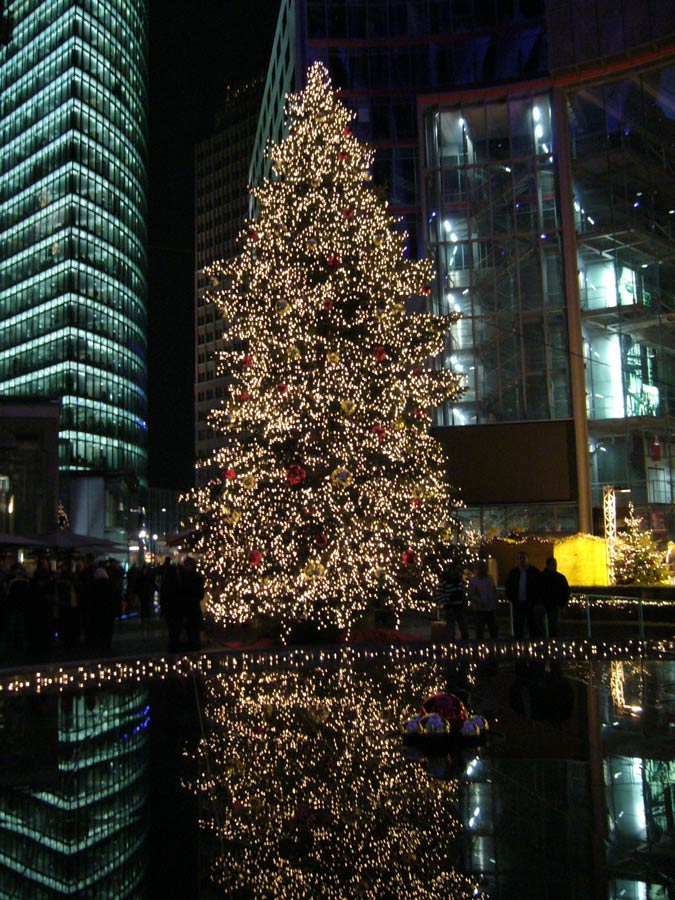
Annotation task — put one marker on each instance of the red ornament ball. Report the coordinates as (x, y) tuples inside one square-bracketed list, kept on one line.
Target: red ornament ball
[(379, 431), (254, 557), (282, 388), (321, 540), (230, 474), (244, 396), (342, 156), (295, 475), (380, 354), (425, 290), (447, 705), (246, 362), (334, 261), (409, 557), (253, 235), (327, 304), (347, 213)]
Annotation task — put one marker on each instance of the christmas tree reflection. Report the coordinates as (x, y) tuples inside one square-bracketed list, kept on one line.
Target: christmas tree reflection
[(307, 792)]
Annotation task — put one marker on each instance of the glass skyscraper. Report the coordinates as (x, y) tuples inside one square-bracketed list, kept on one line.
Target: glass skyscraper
[(73, 319)]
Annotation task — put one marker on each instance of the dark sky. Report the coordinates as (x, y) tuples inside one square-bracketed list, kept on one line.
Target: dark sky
[(197, 49)]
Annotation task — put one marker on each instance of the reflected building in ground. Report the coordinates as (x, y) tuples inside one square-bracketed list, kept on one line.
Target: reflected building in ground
[(585, 785), (73, 794), (528, 149)]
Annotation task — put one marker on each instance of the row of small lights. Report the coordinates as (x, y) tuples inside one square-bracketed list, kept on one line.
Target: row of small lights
[(104, 674)]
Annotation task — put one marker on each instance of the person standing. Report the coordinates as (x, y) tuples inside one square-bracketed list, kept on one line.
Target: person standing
[(102, 608), (522, 590), (17, 600), (170, 603), (483, 601), (41, 610), (191, 593), (145, 587), (555, 592), (116, 577), (67, 610), (84, 587), (450, 594)]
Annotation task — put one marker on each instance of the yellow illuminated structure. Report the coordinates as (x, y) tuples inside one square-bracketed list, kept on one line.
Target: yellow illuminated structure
[(329, 491)]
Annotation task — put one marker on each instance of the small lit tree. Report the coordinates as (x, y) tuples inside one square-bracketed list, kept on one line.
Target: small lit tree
[(638, 559), (329, 489)]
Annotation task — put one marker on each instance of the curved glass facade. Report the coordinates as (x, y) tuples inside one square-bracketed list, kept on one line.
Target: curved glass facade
[(73, 206), (551, 215), (495, 231)]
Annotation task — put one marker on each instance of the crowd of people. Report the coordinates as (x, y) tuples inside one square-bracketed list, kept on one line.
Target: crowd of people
[(72, 606), (536, 599)]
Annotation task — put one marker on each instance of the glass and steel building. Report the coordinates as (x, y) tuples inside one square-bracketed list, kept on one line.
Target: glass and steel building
[(550, 210), (528, 148), (73, 185), (381, 56)]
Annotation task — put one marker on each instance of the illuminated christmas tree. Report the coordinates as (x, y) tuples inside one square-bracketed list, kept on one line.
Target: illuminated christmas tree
[(638, 559), (329, 491)]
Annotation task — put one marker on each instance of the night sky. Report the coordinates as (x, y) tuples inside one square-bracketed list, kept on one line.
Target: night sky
[(197, 49)]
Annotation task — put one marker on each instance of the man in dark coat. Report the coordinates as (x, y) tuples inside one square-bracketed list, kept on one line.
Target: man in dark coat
[(41, 610), (84, 587), (17, 602), (191, 593), (555, 592), (170, 603), (522, 590)]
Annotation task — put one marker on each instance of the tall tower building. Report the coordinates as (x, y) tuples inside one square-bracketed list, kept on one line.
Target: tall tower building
[(73, 125), (221, 202)]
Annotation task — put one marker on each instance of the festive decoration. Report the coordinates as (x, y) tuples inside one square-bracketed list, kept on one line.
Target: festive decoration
[(303, 793), (341, 477), (318, 308), (442, 723), (295, 475), (638, 559), (62, 517), (313, 570)]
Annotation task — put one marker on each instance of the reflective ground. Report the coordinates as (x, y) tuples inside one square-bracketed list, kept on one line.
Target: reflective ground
[(285, 775)]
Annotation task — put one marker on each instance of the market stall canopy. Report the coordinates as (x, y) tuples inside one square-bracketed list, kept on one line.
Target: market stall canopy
[(16, 540), (69, 540)]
